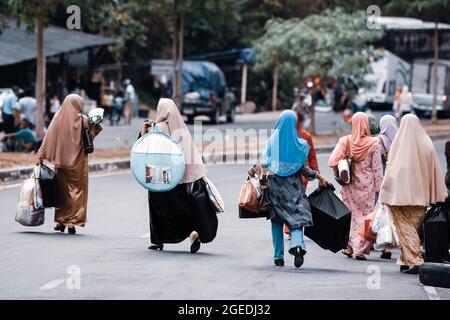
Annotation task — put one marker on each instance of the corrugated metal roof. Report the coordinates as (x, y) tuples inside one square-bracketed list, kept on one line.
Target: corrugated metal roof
[(17, 45)]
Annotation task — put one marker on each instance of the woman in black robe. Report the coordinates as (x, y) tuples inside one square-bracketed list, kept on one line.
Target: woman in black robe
[(184, 211)]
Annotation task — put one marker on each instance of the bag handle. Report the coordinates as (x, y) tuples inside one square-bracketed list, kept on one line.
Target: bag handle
[(348, 153), (382, 143)]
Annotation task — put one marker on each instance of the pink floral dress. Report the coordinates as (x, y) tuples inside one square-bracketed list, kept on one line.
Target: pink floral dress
[(360, 196)]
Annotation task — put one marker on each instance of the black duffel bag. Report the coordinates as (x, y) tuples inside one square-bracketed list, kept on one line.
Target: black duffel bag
[(436, 233), (203, 214), (48, 182)]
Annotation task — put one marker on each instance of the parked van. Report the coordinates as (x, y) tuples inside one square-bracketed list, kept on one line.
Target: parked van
[(388, 73), (422, 87)]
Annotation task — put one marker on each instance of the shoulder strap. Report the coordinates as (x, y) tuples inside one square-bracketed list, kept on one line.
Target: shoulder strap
[(347, 148), (382, 143)]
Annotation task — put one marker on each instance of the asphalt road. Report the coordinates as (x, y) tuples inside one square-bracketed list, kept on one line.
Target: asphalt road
[(114, 262)]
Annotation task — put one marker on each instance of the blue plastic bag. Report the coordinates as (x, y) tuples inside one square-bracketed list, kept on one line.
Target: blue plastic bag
[(157, 161)]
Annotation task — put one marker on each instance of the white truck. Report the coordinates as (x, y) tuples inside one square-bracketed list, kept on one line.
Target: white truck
[(422, 87), (388, 73)]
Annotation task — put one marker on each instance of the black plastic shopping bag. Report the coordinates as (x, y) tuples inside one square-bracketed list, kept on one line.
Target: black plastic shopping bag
[(331, 220)]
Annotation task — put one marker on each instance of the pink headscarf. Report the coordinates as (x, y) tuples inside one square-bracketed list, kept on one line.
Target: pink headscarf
[(361, 142)]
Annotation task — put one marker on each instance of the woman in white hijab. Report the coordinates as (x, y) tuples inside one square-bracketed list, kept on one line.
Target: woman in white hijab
[(413, 181), (173, 217)]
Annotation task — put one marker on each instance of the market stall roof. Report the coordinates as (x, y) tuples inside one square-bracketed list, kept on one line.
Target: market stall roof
[(18, 45)]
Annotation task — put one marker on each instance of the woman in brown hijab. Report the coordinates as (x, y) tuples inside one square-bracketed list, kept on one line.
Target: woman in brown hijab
[(413, 181), (173, 216), (63, 147)]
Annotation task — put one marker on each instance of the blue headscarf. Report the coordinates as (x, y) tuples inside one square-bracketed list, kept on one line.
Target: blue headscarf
[(285, 152)]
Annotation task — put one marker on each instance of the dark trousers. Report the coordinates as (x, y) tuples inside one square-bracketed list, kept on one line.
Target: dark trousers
[(8, 123)]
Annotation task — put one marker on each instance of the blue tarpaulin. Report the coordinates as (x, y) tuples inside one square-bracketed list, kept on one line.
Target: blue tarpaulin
[(200, 76)]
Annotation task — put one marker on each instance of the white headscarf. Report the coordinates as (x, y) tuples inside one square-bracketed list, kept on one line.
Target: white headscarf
[(413, 174), (169, 119)]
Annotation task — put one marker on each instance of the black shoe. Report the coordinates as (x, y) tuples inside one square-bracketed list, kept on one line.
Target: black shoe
[(298, 253), (413, 270), (71, 230), (279, 262), (195, 242), (403, 268), (156, 247), (386, 255), (361, 258), (59, 227)]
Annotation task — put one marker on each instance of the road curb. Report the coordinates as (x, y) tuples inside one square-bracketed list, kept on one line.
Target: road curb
[(21, 173)]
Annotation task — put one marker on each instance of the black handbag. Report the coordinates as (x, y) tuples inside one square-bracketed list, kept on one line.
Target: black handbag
[(203, 214), (86, 138), (48, 182), (436, 233)]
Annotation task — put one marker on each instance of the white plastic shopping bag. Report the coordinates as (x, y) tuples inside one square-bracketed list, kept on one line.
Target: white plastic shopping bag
[(384, 227), (26, 214), (37, 192)]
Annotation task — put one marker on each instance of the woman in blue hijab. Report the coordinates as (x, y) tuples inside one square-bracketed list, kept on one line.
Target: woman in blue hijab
[(284, 158)]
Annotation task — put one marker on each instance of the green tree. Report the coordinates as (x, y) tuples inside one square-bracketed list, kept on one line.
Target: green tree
[(435, 10), (328, 45), (110, 18)]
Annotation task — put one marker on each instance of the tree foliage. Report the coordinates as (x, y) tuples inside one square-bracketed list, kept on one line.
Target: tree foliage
[(329, 45)]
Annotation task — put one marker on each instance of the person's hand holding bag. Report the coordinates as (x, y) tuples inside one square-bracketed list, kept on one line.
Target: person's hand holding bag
[(147, 124), (323, 182)]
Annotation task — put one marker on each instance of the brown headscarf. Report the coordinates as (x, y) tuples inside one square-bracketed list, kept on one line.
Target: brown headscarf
[(413, 174), (62, 141), (169, 119), (361, 142)]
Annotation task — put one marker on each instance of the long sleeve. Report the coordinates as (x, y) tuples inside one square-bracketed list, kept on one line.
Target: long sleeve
[(308, 173), (312, 157), (377, 169)]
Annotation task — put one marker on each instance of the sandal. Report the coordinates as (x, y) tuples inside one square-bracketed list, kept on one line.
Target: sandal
[(348, 252)]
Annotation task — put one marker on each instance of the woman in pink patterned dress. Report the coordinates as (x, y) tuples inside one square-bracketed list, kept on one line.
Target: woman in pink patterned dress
[(360, 195)]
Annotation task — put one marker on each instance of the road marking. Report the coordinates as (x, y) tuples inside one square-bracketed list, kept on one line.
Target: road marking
[(11, 186), (92, 175), (432, 293), (52, 284)]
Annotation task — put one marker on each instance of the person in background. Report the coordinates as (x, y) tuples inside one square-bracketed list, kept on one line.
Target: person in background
[(373, 126), (173, 216), (388, 131), (360, 195), (63, 147), (130, 96), (413, 181), (285, 156), (405, 102), (395, 105), (116, 109), (311, 162), (21, 141), (26, 106), (338, 91), (9, 104), (54, 106)]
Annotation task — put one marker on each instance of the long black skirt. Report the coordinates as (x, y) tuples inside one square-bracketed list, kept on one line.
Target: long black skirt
[(176, 213)]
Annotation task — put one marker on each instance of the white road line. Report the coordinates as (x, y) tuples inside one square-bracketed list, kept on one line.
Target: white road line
[(432, 293), (93, 175), (52, 284)]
